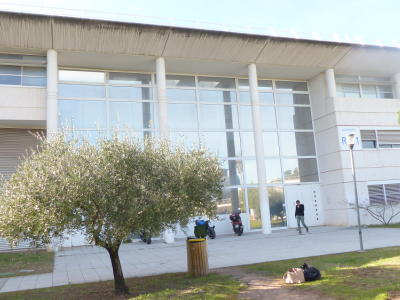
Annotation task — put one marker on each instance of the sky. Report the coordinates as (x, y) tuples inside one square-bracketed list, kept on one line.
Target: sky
[(368, 19)]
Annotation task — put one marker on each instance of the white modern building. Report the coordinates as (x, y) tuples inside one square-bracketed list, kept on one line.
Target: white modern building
[(276, 108)]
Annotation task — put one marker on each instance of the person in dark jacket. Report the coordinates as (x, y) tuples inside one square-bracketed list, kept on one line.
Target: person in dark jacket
[(299, 215)]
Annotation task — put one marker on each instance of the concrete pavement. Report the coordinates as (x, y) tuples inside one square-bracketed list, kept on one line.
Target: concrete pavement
[(92, 264)]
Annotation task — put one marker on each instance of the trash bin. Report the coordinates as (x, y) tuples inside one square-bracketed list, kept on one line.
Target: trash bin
[(197, 256)]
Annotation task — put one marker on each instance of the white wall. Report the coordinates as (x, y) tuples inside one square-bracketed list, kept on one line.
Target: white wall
[(22, 103), (337, 186)]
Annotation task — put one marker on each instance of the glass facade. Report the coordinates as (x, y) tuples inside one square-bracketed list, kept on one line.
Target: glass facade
[(216, 109)]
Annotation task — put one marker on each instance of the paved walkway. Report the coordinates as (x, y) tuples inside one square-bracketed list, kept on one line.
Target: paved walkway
[(92, 264)]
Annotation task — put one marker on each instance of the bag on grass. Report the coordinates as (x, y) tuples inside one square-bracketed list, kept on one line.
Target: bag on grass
[(294, 275), (310, 273)]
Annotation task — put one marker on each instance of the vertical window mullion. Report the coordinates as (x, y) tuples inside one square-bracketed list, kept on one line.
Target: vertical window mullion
[(384, 193)]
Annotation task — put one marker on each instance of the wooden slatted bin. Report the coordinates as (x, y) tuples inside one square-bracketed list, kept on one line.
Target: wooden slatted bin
[(197, 257)]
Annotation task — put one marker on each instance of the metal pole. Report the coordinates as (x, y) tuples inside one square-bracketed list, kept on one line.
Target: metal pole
[(356, 194)]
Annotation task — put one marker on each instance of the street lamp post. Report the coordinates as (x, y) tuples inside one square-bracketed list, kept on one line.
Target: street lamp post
[(350, 142)]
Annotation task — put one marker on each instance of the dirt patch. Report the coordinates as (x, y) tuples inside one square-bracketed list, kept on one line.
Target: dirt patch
[(393, 295), (261, 287)]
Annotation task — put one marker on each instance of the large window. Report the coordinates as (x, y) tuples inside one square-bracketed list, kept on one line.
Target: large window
[(216, 109), (22, 70), (355, 86)]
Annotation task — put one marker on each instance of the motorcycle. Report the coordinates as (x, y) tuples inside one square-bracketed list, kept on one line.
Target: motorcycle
[(236, 223), (145, 236), (210, 230)]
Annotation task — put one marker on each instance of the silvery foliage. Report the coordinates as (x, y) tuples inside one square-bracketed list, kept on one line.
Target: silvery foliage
[(107, 190)]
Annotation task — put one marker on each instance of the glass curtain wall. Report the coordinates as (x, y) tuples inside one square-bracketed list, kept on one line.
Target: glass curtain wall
[(96, 101), (216, 109)]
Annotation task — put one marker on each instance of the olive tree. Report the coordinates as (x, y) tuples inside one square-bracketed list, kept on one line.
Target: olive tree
[(107, 191)]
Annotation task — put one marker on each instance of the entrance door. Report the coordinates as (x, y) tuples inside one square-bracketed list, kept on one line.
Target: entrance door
[(309, 195)]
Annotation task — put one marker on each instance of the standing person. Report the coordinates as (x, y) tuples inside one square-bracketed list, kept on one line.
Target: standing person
[(299, 215)]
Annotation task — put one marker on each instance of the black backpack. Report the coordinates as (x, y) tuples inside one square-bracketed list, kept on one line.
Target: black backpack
[(310, 273)]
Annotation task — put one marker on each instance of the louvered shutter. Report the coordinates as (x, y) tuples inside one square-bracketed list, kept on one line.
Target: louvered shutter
[(13, 144), (376, 194), (389, 137), (392, 193), (368, 135)]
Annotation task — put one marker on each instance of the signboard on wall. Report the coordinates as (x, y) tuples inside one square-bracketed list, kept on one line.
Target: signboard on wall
[(344, 131)]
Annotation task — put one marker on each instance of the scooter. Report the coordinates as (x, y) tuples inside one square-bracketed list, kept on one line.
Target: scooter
[(236, 223), (145, 236), (210, 230)]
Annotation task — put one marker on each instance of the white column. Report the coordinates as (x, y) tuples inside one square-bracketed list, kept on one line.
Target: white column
[(396, 79), (330, 83), (169, 235), (162, 97), (259, 145), (52, 92)]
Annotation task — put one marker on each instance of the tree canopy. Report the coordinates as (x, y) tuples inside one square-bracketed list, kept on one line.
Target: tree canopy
[(107, 190)]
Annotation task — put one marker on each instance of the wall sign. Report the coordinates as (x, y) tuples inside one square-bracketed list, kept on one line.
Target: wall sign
[(344, 131)]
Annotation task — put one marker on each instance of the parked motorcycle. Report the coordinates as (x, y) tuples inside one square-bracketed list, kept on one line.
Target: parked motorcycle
[(210, 230), (145, 236), (236, 223)]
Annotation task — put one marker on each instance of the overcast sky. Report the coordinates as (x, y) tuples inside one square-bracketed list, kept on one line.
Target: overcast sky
[(369, 19)]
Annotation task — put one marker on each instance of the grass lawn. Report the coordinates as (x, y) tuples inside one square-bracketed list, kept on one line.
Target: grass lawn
[(371, 275), (391, 225), (166, 286), (39, 261)]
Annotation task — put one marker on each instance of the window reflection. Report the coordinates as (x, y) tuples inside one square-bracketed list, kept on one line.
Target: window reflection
[(300, 170), (131, 93), (274, 171), (297, 144), (217, 96), (262, 84), (81, 91), (233, 172), (79, 75), (265, 98), (216, 82), (253, 200), (268, 119), (182, 116), (277, 207), (271, 146), (129, 78), (232, 199), (135, 114), (294, 117), (293, 99), (219, 116), (228, 143), (180, 80), (251, 171), (85, 114), (291, 86), (181, 95)]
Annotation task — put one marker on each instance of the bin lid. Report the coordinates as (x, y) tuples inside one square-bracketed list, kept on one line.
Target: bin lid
[(196, 240)]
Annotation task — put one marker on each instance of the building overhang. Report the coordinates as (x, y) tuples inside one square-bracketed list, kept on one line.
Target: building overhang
[(116, 45)]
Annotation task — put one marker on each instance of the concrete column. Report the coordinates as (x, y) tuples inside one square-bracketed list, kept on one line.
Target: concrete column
[(259, 145), (169, 235), (52, 92), (162, 97), (330, 83), (396, 79)]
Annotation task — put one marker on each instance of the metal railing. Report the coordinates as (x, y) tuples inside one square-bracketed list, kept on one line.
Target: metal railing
[(112, 16)]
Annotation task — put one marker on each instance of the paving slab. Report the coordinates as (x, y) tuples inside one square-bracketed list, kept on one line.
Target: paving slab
[(92, 264)]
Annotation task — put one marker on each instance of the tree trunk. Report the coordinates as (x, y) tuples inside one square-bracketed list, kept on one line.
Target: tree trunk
[(120, 286)]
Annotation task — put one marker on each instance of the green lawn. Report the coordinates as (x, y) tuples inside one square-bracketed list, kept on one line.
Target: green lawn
[(14, 262), (166, 286), (363, 276), (391, 225)]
